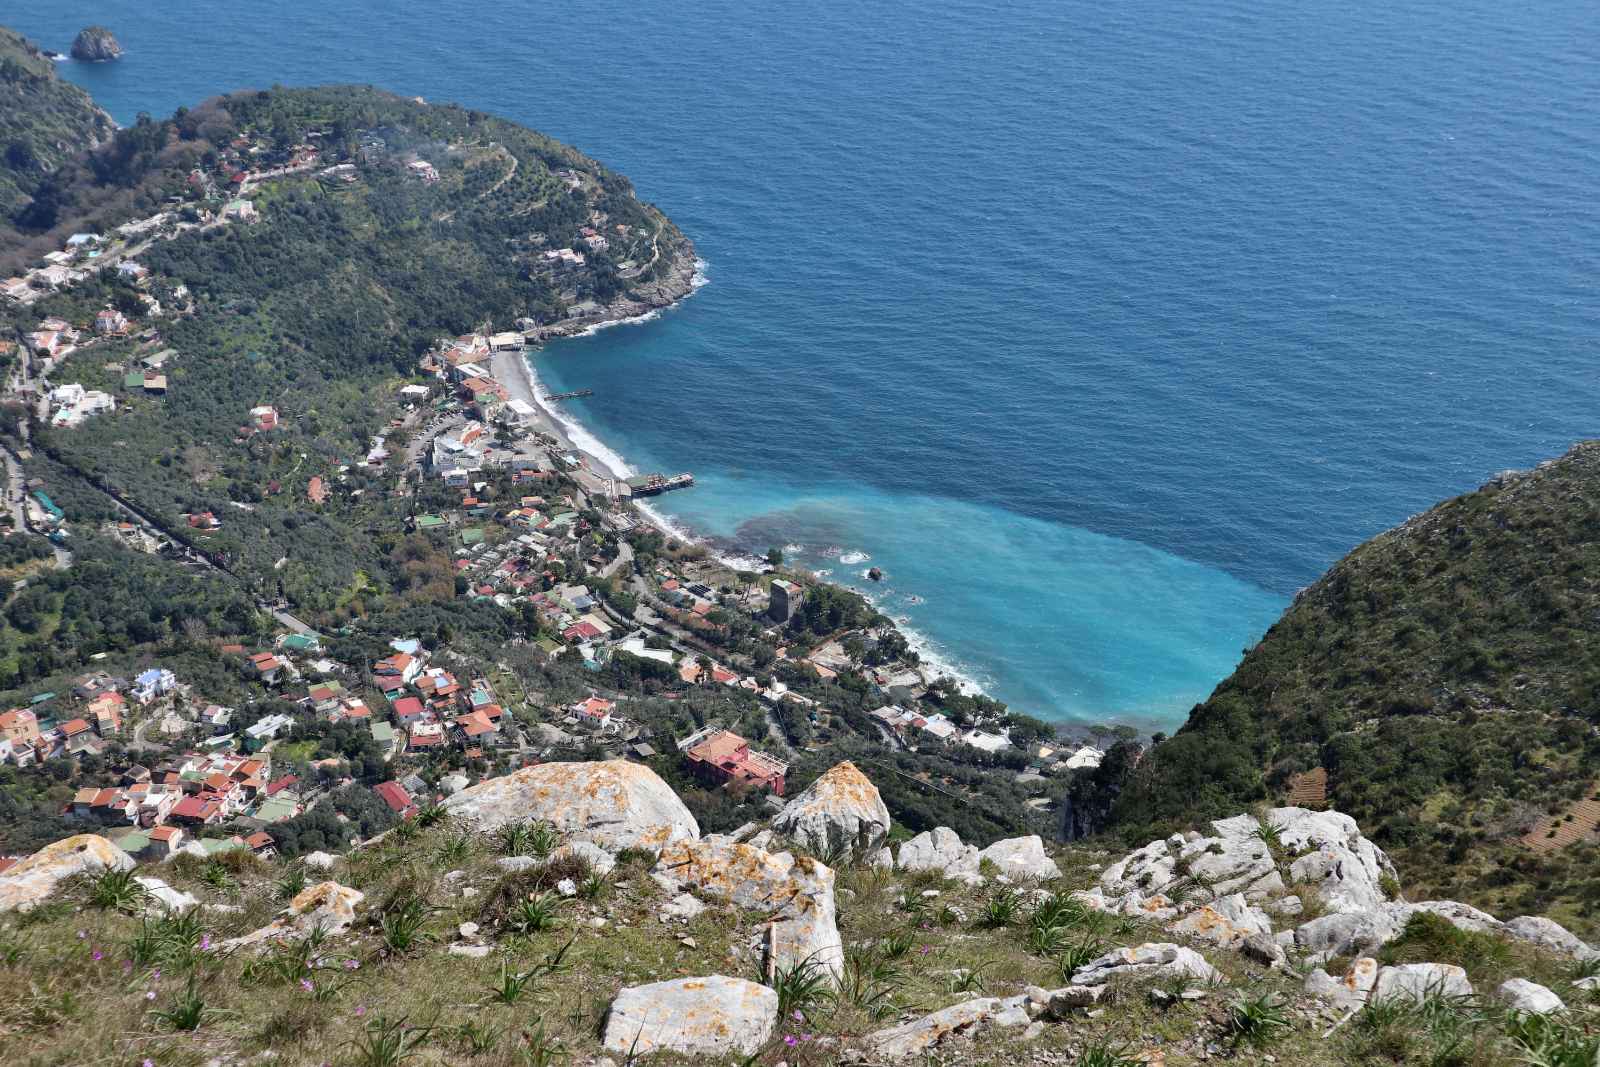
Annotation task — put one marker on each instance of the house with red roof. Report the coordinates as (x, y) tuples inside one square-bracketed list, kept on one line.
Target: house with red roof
[(409, 711), (724, 758), (394, 794)]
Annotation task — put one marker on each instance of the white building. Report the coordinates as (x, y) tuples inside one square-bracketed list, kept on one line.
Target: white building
[(71, 404)]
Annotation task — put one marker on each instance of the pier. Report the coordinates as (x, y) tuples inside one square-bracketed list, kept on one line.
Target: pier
[(575, 394), (651, 484)]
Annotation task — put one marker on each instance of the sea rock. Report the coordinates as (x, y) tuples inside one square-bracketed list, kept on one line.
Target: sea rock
[(920, 1036), (327, 906), (1021, 857), (796, 895), (1349, 992), (33, 880), (939, 849), (1548, 934), (613, 804), (1527, 997), (709, 1017), (1417, 982), (1149, 960), (841, 813), (1226, 923), (166, 897), (95, 44)]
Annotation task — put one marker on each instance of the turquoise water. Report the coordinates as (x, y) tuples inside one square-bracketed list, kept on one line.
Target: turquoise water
[(1100, 328)]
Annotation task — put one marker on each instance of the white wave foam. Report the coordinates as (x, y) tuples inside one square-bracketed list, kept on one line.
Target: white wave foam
[(699, 277), (793, 550), (850, 559), (936, 661), (577, 432)]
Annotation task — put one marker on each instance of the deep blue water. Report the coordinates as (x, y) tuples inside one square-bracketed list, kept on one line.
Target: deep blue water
[(1101, 327)]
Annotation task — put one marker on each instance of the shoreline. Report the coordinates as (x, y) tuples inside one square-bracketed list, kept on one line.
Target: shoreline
[(516, 372)]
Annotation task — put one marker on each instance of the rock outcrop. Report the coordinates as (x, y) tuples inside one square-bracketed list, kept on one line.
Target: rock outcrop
[(1349, 992), (711, 1017), (95, 44), (841, 813), (1021, 858), (34, 880), (796, 895), (165, 897), (939, 849), (1548, 934), (327, 906), (612, 804), (1324, 849), (918, 1037), (1149, 960)]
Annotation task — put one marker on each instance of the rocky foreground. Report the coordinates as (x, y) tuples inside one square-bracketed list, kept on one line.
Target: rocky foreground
[(576, 911)]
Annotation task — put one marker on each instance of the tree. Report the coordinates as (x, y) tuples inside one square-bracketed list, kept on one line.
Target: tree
[(774, 557)]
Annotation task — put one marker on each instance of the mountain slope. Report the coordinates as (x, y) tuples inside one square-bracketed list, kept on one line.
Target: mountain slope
[(44, 121), (1445, 673)]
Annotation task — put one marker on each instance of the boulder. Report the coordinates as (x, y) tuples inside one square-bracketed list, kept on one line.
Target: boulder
[(327, 906), (33, 880), (95, 44), (920, 1036), (1461, 916), (839, 814), (1226, 923), (318, 861), (1349, 992), (699, 1017), (613, 804), (166, 897), (939, 849), (1149, 960), (796, 895), (1021, 857), (1547, 934), (1351, 933), (684, 906), (1263, 949), (1417, 982), (1529, 998), (1061, 1003)]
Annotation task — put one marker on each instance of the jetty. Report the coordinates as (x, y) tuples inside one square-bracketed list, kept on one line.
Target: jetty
[(651, 484), (575, 394)]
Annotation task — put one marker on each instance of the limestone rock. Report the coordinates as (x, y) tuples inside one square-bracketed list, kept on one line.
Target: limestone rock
[(710, 1017), (1528, 997), (327, 906), (939, 849), (1546, 933), (1263, 949), (34, 880), (1328, 850), (318, 861), (840, 813), (1417, 982), (1461, 916), (683, 906), (1149, 960), (471, 952), (166, 897), (1063, 1002), (1021, 857), (95, 44), (795, 894), (518, 864), (1350, 934), (919, 1036), (1349, 992), (1227, 923), (613, 804)]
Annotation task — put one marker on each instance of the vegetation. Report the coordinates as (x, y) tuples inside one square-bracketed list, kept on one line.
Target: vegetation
[(44, 121), (1447, 676)]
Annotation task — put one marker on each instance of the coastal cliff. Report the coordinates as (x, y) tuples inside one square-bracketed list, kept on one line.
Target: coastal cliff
[(44, 121)]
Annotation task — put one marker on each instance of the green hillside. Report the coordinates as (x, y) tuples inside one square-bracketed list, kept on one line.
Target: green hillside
[(44, 121), (1447, 676)]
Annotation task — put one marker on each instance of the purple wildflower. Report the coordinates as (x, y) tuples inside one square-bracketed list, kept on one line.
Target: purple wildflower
[(205, 942), (97, 955), (788, 1039), (150, 996), (305, 983)]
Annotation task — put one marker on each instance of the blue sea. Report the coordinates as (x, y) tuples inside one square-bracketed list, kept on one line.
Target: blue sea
[(1100, 328)]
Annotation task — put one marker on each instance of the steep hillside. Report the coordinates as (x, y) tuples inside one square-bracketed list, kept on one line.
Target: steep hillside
[(1446, 674), (44, 121)]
